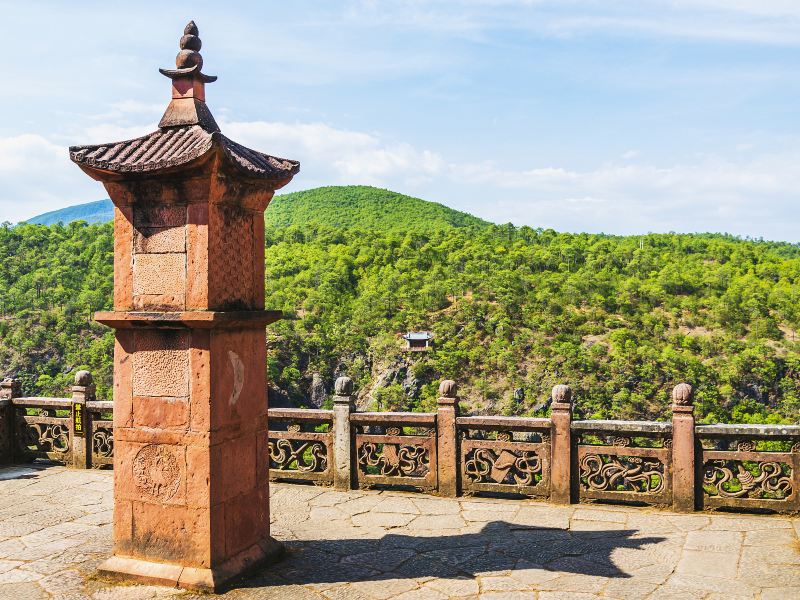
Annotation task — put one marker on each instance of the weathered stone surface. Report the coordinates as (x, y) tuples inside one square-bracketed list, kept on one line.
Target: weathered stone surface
[(383, 589), (23, 591), (376, 519), (437, 522), (592, 514), (396, 505), (713, 541), (716, 564), (780, 593), (454, 586)]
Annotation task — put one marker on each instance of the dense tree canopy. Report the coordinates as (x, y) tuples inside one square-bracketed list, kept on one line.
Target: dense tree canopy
[(621, 319)]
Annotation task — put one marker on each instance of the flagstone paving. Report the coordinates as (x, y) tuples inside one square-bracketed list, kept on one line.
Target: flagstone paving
[(55, 528)]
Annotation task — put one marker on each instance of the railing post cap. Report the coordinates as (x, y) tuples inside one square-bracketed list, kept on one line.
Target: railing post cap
[(343, 386), (448, 388), (10, 387), (682, 395), (562, 394), (83, 378)]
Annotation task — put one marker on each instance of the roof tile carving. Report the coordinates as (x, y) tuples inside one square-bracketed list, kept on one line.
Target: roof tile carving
[(175, 146)]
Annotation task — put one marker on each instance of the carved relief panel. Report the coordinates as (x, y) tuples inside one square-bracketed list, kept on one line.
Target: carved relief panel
[(159, 258)]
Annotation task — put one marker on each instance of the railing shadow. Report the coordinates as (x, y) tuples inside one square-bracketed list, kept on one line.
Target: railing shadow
[(499, 546), (28, 471)]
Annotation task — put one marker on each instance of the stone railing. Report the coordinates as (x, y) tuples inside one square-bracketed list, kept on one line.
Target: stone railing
[(674, 464), (301, 444), (749, 466), (77, 431)]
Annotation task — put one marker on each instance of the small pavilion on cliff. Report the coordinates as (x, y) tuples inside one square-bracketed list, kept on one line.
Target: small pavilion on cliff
[(191, 502)]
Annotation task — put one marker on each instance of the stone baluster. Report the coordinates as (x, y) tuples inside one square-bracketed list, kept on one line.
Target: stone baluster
[(683, 449), (80, 429), (9, 389), (343, 405), (447, 458), (561, 445)]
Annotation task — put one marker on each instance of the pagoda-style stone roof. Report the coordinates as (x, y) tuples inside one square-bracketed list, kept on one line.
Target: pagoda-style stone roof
[(187, 132), (170, 147)]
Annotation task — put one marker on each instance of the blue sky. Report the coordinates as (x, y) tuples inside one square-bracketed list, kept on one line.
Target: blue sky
[(613, 116)]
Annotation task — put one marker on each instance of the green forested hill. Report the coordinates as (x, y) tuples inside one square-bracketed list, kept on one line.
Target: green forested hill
[(621, 319), (363, 207)]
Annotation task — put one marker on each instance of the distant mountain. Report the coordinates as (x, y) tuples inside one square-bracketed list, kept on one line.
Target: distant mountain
[(355, 206), (91, 212)]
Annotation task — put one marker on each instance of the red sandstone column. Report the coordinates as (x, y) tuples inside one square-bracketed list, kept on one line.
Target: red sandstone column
[(447, 439), (683, 449), (190, 404), (561, 445)]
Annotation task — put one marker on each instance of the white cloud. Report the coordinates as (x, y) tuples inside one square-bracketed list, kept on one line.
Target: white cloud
[(754, 197), (338, 155), (19, 152), (36, 175)]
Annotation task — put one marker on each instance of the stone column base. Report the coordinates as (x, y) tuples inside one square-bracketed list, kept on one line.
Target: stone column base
[(215, 579)]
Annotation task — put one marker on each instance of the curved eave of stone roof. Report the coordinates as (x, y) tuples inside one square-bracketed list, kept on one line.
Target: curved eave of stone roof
[(258, 164), (162, 149), (176, 146)]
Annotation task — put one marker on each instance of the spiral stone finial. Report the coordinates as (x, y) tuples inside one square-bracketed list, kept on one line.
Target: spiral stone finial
[(682, 394), (343, 386), (83, 378), (190, 45), (448, 388), (562, 393)]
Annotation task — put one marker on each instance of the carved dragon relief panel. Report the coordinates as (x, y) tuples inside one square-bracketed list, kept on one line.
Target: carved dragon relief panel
[(629, 466), (43, 435), (400, 456), (157, 472), (749, 473)]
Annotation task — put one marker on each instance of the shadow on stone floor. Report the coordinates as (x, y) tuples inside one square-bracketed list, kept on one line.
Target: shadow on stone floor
[(499, 546), (11, 473)]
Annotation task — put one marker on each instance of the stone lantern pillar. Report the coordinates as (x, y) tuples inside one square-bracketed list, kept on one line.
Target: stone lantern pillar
[(191, 504)]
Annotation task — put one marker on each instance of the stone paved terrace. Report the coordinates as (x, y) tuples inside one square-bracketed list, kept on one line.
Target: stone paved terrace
[(55, 529)]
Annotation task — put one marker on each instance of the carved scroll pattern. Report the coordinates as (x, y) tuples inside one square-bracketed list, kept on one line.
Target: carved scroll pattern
[(630, 465), (746, 479), (503, 466), (609, 473), (43, 435), (103, 442), (753, 473), (393, 460), (307, 456), (396, 453), (301, 455), (508, 458)]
